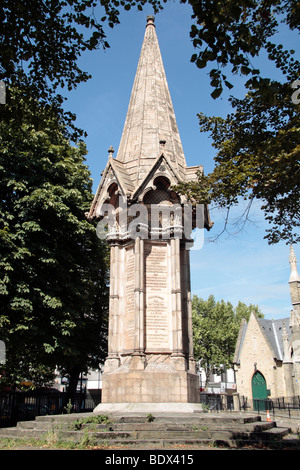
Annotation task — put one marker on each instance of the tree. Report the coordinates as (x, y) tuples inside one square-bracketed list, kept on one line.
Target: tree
[(243, 311), (215, 330), (41, 42), (53, 283), (231, 34), (258, 144)]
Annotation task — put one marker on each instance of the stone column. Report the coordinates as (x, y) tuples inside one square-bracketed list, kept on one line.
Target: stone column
[(138, 357), (287, 364), (296, 377), (192, 362), (177, 350), (112, 360)]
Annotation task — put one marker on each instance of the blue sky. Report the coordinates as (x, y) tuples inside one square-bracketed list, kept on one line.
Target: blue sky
[(238, 266)]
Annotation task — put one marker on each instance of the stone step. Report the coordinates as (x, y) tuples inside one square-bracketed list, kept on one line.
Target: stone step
[(214, 434), (159, 423), (226, 439), (163, 431), (195, 418), (141, 430), (200, 426), (165, 418), (267, 435)]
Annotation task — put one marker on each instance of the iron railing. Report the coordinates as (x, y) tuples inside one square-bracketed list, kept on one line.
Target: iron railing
[(216, 401), (22, 406), (286, 405)]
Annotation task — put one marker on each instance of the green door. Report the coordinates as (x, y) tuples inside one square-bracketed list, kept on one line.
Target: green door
[(259, 392)]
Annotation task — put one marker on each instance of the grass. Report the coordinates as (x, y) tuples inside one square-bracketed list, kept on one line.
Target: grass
[(150, 418), (51, 441), (53, 438), (91, 421)]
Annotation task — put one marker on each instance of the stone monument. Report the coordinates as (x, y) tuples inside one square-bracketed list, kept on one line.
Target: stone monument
[(148, 226)]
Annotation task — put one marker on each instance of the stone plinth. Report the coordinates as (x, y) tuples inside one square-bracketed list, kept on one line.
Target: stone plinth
[(142, 386)]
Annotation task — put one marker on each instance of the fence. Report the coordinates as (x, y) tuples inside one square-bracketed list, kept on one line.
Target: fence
[(282, 405), (216, 401), (23, 406)]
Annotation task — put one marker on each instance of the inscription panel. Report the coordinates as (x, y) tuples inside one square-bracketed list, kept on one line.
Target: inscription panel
[(156, 285)]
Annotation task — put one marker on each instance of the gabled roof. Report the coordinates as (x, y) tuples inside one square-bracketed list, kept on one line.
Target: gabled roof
[(161, 167), (272, 331), (114, 172)]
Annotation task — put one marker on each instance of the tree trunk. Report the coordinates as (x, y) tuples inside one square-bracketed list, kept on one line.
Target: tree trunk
[(74, 377)]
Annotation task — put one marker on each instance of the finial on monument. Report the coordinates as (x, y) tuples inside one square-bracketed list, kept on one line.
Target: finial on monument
[(111, 151), (150, 20), (293, 262)]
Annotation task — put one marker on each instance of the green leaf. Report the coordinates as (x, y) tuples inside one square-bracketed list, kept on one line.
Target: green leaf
[(216, 93), (201, 63), (229, 85)]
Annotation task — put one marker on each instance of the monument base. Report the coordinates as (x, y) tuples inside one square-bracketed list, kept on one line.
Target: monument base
[(173, 408), (142, 386)]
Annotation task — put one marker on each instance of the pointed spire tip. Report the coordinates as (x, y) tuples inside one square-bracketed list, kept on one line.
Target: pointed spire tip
[(293, 262)]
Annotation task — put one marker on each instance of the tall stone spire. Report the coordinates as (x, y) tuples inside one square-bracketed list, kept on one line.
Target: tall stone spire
[(150, 144), (150, 119)]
